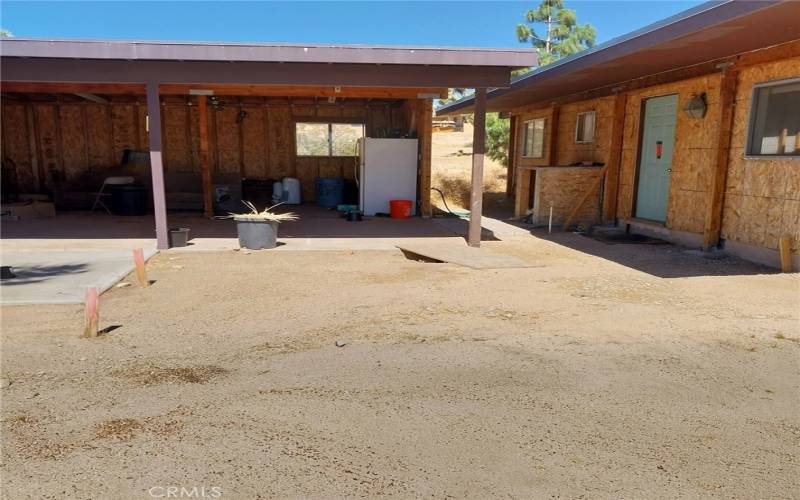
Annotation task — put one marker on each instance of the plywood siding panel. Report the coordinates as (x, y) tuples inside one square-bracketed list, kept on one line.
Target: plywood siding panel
[(357, 113), (307, 171), (254, 139), (123, 119), (262, 146), (227, 135), (281, 142), (177, 149), (379, 123), (563, 190), (769, 187), (99, 137), (73, 139), (16, 146), (329, 111), (330, 167), (49, 141)]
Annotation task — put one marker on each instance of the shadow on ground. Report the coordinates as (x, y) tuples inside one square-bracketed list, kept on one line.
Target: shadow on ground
[(656, 258), (26, 275)]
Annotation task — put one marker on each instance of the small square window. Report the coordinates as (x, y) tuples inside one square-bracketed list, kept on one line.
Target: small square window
[(584, 128), (775, 120), (533, 138)]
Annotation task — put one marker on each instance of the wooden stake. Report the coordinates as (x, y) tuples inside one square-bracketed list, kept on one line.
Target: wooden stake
[(141, 270), (91, 312), (785, 248)]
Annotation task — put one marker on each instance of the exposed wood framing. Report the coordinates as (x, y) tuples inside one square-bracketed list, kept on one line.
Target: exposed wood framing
[(727, 99), (611, 188), (522, 188), (205, 167), (424, 118), (36, 167), (552, 148), (512, 157), (478, 150)]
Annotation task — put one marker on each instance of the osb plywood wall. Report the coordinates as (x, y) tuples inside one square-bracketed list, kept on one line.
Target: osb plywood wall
[(77, 144), (762, 197), (568, 150), (693, 155), (564, 189), (56, 143)]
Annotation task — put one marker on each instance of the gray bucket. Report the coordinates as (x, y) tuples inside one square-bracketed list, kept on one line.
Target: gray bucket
[(178, 237), (255, 235)]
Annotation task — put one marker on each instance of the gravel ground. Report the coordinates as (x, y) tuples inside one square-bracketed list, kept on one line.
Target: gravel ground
[(610, 372)]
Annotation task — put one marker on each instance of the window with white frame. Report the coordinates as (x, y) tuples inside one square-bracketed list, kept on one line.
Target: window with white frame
[(327, 139), (584, 127), (533, 138), (775, 119)]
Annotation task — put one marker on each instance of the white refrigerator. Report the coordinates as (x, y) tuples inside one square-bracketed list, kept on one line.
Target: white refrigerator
[(387, 171)]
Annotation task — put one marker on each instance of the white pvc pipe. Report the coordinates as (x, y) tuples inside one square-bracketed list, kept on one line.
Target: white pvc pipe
[(550, 221)]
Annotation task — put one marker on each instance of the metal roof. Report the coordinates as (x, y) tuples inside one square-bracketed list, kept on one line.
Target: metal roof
[(265, 52), (710, 31)]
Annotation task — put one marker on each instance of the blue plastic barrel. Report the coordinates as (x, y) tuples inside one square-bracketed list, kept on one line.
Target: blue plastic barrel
[(329, 191)]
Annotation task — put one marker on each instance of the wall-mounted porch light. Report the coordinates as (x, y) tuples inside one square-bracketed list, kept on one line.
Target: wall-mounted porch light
[(697, 106)]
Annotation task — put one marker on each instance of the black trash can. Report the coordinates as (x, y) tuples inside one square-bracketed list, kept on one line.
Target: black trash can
[(129, 199)]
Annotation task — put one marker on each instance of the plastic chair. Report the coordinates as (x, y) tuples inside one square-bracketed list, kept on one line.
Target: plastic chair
[(110, 181)]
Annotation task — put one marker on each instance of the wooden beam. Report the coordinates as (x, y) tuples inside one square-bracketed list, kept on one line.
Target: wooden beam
[(307, 91), (715, 203), (91, 97), (478, 150), (33, 138), (512, 156), (72, 88), (592, 189), (552, 143), (611, 188), (157, 166), (425, 135), (205, 167)]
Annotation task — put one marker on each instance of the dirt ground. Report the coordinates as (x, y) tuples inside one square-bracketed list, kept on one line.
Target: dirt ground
[(607, 372)]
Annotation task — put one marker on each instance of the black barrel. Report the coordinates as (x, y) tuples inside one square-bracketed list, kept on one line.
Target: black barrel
[(129, 199)]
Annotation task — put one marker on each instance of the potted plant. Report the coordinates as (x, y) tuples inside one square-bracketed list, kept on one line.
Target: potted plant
[(259, 230)]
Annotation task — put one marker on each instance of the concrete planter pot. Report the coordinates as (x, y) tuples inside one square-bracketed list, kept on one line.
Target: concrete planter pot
[(257, 234)]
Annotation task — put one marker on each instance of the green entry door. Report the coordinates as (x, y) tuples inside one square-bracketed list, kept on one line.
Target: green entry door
[(658, 140)]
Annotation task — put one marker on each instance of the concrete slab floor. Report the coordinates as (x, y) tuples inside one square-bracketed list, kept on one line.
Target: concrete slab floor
[(61, 277)]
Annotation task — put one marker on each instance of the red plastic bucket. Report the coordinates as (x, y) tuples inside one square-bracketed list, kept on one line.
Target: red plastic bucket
[(400, 209)]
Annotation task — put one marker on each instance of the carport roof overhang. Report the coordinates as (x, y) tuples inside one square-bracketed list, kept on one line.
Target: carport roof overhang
[(117, 62), (702, 35)]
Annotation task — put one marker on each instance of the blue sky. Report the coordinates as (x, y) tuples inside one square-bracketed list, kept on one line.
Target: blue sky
[(465, 23)]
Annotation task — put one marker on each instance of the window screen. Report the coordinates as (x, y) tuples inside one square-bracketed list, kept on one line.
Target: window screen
[(775, 120), (533, 138), (327, 139), (584, 128)]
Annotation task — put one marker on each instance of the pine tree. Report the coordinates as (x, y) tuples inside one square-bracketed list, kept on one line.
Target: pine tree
[(562, 35)]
